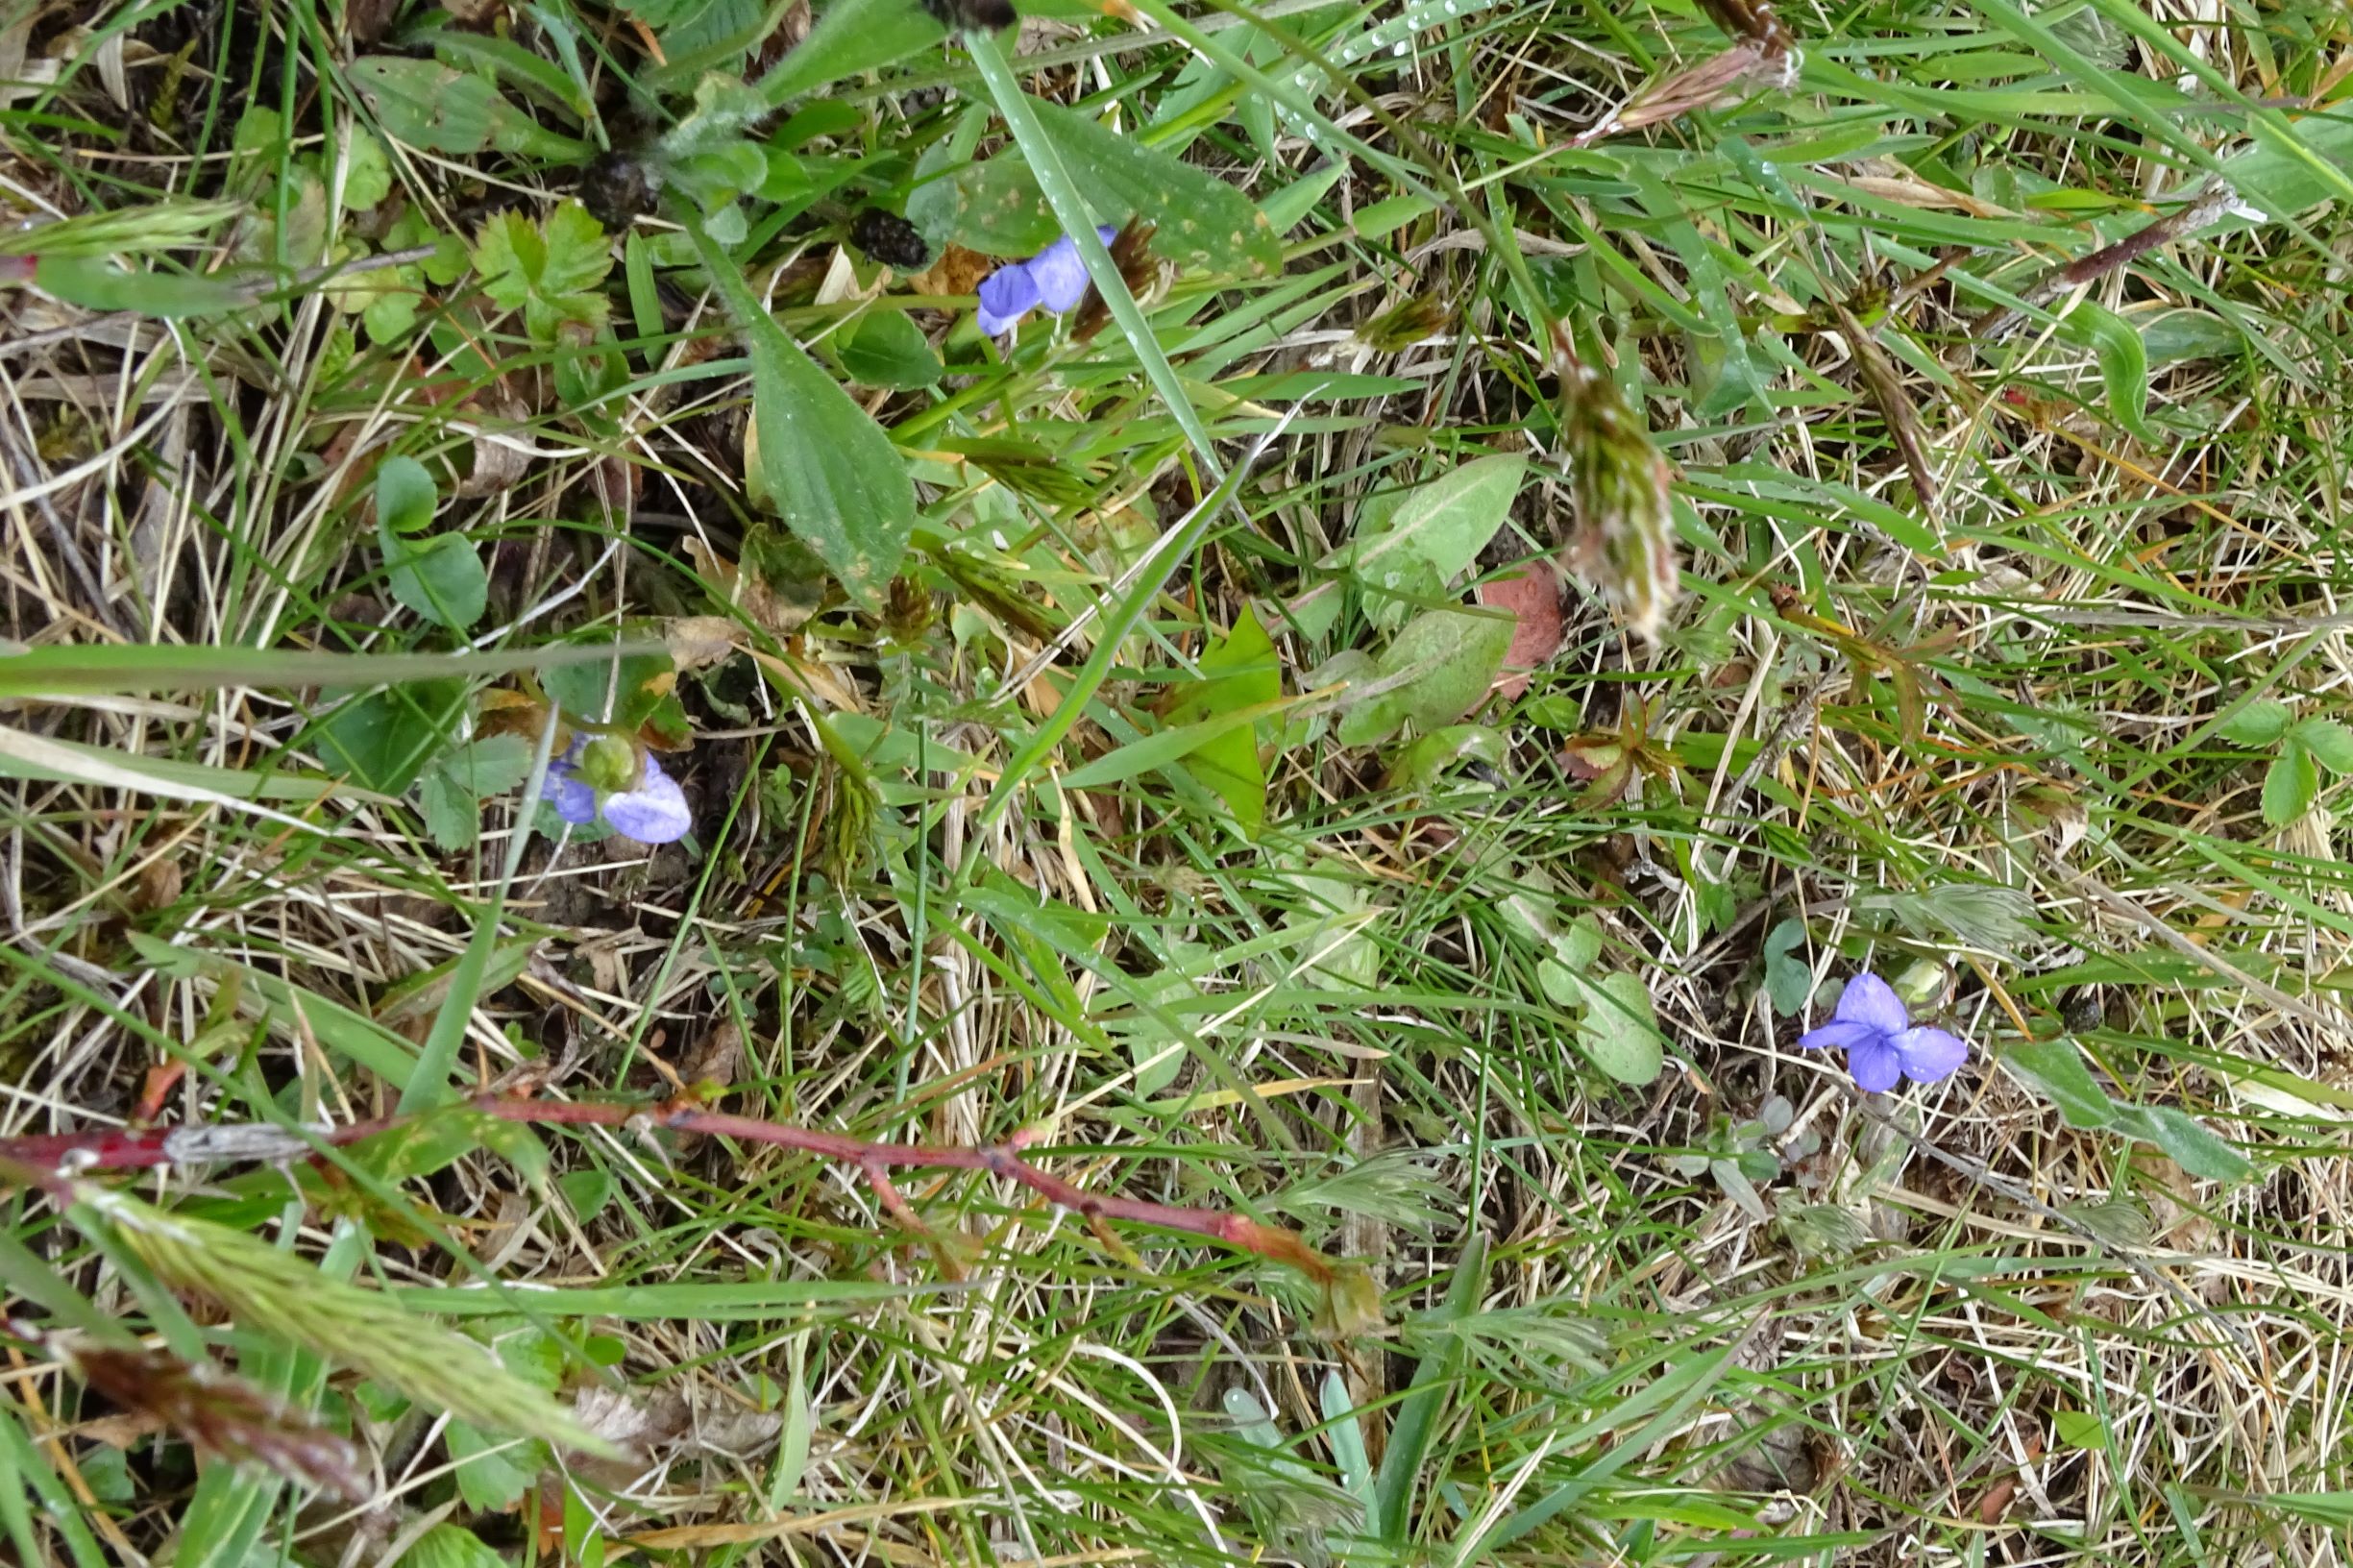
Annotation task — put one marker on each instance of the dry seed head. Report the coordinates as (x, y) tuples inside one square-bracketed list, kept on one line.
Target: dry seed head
[(1622, 540)]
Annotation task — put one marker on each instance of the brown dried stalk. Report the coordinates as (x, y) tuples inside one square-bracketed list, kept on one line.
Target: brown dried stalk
[(2209, 204), (53, 1160)]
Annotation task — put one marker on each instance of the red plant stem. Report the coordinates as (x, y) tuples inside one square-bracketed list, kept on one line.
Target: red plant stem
[(51, 1160)]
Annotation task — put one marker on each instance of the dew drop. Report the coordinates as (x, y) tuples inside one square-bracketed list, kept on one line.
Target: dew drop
[(1400, 49)]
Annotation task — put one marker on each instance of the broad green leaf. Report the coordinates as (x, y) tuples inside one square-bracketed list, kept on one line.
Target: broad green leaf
[(425, 104), (2329, 742), (2193, 1146), (1447, 659), (442, 579), (452, 817), (623, 692), (2260, 723), (1434, 533), (1788, 981), (1619, 1033), (839, 483), (367, 174), (888, 350), (2124, 364), (2055, 1070), (2289, 785), (490, 766), (994, 207), (1203, 223), (492, 1473), (852, 37), (404, 495), (1426, 760), (2292, 170), (1240, 671), (451, 1546), (384, 740), (2079, 1429)]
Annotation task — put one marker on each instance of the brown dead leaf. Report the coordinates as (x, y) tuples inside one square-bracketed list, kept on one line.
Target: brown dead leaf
[(697, 642), (958, 271), (1532, 596)]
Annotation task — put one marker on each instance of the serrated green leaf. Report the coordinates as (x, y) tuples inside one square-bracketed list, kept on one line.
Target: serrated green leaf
[(2260, 723), (490, 766), (2289, 785), (367, 174), (623, 693), (553, 274), (451, 1546), (384, 740), (835, 477), (492, 1473), (1202, 223), (2329, 742)]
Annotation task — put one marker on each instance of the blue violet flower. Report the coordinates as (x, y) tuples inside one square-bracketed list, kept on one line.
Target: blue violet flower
[(1882, 1042), (1054, 277), (605, 778)]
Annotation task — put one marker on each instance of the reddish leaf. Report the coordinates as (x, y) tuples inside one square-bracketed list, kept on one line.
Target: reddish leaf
[(1532, 596)]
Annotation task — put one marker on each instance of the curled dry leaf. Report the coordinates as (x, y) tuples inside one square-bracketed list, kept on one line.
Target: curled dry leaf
[(697, 642), (1532, 596)]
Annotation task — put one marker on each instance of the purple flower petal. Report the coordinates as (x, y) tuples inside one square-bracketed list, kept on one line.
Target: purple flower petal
[(1875, 1066), (570, 795), (1929, 1054), (1839, 1037), (1006, 295), (1060, 275), (1871, 1000), (653, 813)]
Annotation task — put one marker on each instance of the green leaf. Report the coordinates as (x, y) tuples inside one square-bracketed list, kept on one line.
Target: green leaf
[(367, 174), (1788, 980), (1434, 533), (95, 284), (851, 37), (2295, 164), (490, 766), (1204, 225), (553, 274), (1240, 671), (404, 495), (2055, 1070), (492, 1473), (386, 739), (2289, 785), (2260, 723), (442, 579), (2329, 742), (2124, 364), (1619, 1033), (888, 350), (839, 483), (994, 207), (450, 1546), (452, 817), (2193, 1146), (2079, 1430), (623, 693), (1426, 760), (1446, 660), (1163, 748), (442, 109)]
